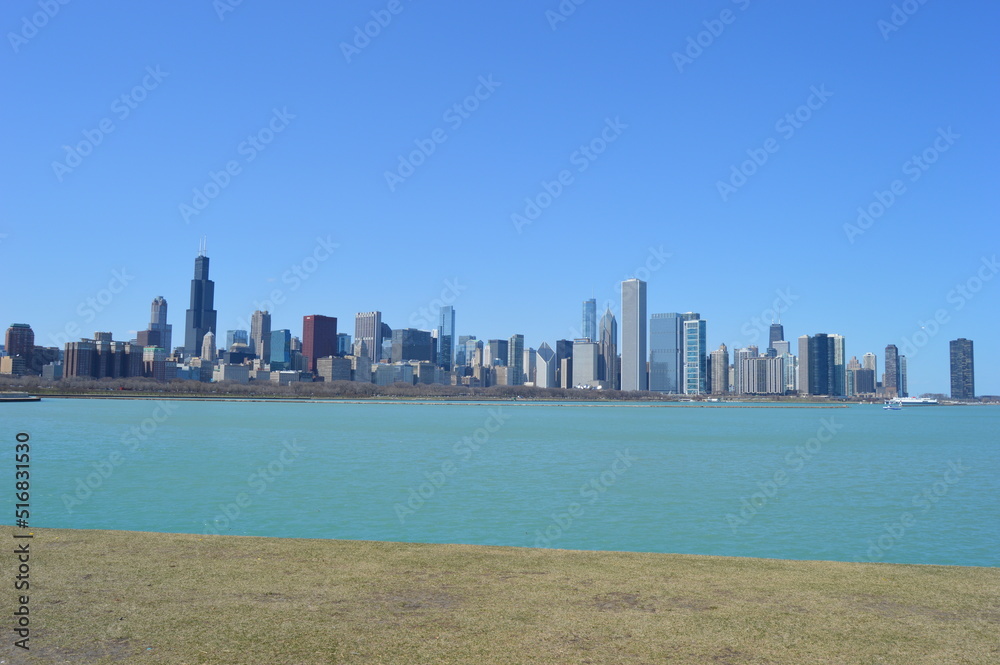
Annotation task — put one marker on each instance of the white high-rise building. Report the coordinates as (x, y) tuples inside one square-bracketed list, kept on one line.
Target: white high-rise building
[(633, 363)]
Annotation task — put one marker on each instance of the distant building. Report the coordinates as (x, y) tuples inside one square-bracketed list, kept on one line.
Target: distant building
[(207, 347), (281, 350), (235, 373), (158, 322), (666, 353), (720, 370), (319, 339), (260, 335), (564, 351), (890, 379), (515, 355), (237, 337), (695, 356), (201, 314), (775, 334), (545, 366), (585, 363), (332, 368), (633, 363), (343, 344), (19, 342), (903, 392), (495, 352), (589, 320), (607, 359), (822, 369), (368, 329), (446, 338), (963, 375), (412, 344)]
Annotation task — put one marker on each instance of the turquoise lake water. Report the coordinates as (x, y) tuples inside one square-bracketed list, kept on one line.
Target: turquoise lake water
[(855, 484)]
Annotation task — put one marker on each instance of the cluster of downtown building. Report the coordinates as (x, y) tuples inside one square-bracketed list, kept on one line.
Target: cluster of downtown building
[(663, 353)]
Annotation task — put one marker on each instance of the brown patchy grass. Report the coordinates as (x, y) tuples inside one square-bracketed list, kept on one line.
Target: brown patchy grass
[(102, 597)]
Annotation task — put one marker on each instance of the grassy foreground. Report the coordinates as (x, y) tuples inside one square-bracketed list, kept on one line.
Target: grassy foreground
[(124, 597)]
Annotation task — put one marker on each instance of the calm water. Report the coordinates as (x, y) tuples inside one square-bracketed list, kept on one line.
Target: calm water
[(914, 486)]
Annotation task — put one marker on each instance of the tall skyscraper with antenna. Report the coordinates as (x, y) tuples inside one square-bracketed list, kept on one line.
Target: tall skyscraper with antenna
[(201, 314)]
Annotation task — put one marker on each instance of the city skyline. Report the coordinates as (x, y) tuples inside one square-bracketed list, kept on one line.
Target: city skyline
[(852, 191), (820, 365)]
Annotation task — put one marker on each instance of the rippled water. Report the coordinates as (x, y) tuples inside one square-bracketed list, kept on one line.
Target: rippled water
[(916, 486)]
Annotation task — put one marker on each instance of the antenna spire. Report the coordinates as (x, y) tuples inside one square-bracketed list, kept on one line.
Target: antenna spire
[(203, 246)]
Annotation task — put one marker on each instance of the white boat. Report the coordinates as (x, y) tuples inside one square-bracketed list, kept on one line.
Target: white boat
[(892, 405), (915, 401)]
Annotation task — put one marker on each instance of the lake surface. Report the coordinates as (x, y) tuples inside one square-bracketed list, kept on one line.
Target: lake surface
[(848, 484)]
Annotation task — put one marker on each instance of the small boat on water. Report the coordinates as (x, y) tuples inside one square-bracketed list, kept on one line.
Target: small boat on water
[(892, 405)]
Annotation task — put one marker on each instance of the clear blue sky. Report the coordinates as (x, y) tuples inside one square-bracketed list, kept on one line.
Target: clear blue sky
[(682, 125)]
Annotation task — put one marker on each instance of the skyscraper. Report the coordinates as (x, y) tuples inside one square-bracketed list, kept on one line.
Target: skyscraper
[(666, 353), (20, 342), (584, 363), (208, 347), (890, 380), (695, 356), (819, 366), (281, 350), (515, 356), (545, 366), (495, 353), (368, 329), (963, 375), (775, 334), (902, 377), (201, 315), (633, 368), (839, 366), (446, 338), (590, 319), (260, 335), (720, 370), (411, 344), (319, 339), (607, 360), (237, 337), (158, 322)]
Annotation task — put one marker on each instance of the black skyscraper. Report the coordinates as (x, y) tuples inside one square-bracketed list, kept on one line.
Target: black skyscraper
[(775, 334), (963, 381), (201, 315)]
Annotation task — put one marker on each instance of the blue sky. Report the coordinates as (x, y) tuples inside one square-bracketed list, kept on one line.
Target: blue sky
[(308, 129)]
